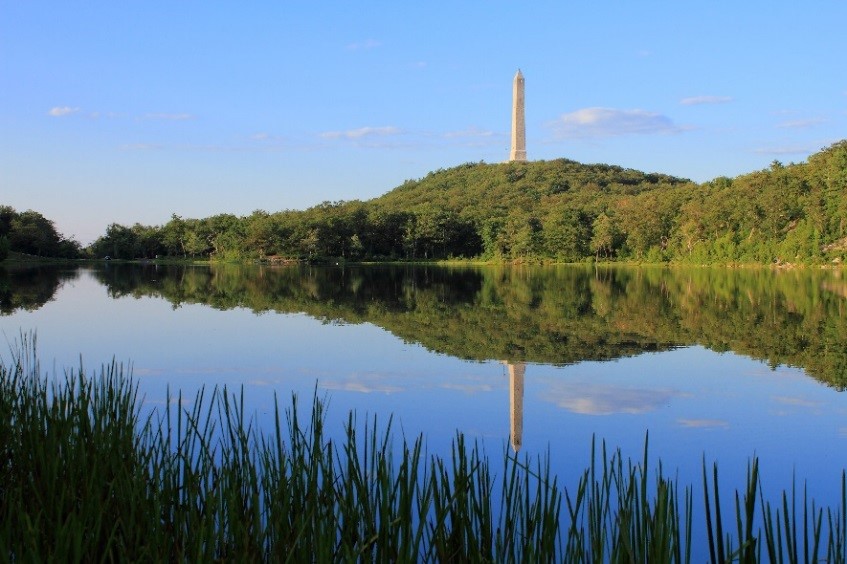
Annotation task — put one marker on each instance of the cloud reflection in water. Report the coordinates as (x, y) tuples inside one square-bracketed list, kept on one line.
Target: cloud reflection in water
[(598, 399)]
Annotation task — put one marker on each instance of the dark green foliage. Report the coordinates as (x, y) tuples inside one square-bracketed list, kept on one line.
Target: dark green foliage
[(72, 467), (31, 233), (536, 210), (618, 515), (119, 242), (793, 213), (83, 477), (567, 235), (721, 548), (7, 214), (543, 210), (30, 287), (4, 247)]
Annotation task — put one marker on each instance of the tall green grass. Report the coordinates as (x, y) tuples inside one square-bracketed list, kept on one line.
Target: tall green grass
[(84, 477)]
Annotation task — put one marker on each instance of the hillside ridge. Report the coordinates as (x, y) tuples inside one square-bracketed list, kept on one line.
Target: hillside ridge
[(557, 210)]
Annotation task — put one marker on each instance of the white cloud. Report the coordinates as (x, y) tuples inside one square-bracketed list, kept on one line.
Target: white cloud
[(471, 385), (796, 401), (366, 44), (610, 122), (469, 132), (169, 117), (698, 100), (704, 423), (362, 132), (788, 150), (61, 111), (106, 115), (140, 147), (365, 384), (801, 123), (469, 389), (595, 399)]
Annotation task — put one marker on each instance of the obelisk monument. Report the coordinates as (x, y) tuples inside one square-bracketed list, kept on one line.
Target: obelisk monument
[(516, 375), (518, 152)]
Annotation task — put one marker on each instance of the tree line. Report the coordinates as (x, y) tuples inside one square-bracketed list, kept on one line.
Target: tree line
[(31, 233), (557, 210), (349, 230)]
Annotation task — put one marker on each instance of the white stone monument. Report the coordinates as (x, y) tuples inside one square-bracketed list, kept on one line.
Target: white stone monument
[(518, 152)]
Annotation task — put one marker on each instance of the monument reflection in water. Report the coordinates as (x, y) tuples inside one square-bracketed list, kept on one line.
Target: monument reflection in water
[(700, 358), (516, 374)]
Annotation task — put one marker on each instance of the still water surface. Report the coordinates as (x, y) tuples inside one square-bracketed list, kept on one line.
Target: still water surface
[(715, 364)]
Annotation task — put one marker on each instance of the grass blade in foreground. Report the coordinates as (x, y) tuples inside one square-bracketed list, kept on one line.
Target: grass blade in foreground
[(84, 477)]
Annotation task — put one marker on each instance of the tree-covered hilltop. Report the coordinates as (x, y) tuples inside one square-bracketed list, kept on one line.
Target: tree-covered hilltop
[(544, 210), (31, 233)]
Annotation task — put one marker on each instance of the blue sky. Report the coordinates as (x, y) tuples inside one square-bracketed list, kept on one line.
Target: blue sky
[(131, 111)]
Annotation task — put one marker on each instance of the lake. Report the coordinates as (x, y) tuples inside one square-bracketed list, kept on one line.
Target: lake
[(715, 364)]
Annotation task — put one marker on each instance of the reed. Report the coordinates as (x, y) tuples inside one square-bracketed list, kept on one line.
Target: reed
[(83, 476)]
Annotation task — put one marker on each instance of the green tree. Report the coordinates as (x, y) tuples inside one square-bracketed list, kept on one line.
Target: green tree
[(224, 236), (262, 234), (119, 242), (7, 214), (195, 242), (384, 235), (173, 236), (647, 221), (310, 243), (148, 240), (356, 246), (410, 238), (32, 233), (606, 237), (4, 247), (432, 232), (828, 171), (492, 241), (567, 234)]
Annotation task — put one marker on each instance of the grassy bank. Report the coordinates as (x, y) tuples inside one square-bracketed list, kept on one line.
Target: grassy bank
[(83, 476)]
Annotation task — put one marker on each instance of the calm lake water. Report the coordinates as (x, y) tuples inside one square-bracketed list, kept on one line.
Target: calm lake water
[(713, 363)]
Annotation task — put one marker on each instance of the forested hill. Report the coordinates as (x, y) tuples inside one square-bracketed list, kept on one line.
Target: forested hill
[(533, 209), (482, 191), (549, 210)]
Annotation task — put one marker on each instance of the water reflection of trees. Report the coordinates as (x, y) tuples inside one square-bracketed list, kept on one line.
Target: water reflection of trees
[(553, 315), (30, 287), (348, 294)]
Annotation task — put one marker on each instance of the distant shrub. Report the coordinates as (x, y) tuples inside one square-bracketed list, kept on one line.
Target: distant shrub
[(4, 248)]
